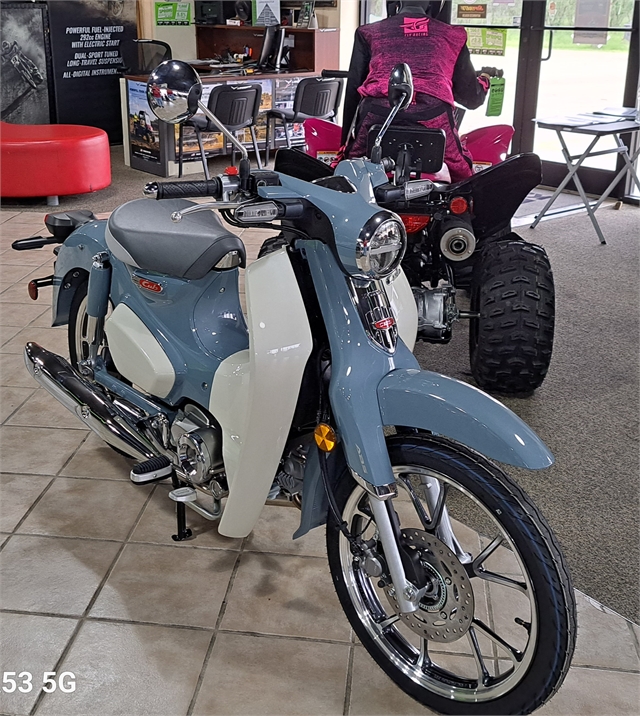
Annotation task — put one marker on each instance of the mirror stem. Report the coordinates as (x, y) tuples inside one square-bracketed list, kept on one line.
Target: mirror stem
[(376, 152), (233, 139)]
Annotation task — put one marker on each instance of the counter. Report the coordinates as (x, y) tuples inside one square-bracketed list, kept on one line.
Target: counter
[(152, 146)]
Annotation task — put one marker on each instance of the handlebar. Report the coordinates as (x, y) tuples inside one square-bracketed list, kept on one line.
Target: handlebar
[(183, 189), (334, 74)]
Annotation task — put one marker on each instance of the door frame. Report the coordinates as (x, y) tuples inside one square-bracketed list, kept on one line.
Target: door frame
[(530, 51)]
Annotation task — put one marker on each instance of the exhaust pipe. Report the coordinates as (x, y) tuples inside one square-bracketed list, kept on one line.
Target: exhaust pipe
[(79, 396)]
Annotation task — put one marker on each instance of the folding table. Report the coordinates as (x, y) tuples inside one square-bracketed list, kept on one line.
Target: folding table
[(597, 127)]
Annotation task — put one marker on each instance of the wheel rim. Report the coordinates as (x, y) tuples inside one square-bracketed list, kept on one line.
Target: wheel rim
[(494, 654)]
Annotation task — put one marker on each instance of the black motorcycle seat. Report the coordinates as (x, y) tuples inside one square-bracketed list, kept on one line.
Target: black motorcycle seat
[(141, 233)]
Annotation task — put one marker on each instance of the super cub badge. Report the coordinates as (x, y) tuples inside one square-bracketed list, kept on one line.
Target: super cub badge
[(147, 284)]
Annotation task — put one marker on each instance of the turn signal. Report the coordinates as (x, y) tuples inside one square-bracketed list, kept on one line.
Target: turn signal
[(458, 205), (33, 290), (325, 437), (414, 222)]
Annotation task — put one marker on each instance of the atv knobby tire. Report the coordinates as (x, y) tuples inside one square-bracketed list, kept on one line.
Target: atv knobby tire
[(510, 344)]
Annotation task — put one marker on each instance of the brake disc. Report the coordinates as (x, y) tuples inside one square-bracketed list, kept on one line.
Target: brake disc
[(445, 611)]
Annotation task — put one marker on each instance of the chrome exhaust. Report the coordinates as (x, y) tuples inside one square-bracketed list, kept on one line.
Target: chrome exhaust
[(97, 412)]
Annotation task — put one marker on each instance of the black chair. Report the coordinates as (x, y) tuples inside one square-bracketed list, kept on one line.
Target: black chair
[(141, 57), (315, 97), (236, 106)]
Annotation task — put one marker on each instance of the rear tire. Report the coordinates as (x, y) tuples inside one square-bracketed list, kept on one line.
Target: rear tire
[(510, 344), (532, 610)]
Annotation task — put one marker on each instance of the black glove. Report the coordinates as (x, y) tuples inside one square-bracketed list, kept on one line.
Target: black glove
[(490, 72)]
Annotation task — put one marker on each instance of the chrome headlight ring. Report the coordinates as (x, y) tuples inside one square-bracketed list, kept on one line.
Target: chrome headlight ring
[(380, 246)]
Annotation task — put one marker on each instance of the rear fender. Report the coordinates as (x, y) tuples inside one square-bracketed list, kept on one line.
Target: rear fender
[(72, 267), (447, 407)]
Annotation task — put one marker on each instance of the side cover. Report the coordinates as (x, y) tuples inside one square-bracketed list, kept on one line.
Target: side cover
[(254, 392)]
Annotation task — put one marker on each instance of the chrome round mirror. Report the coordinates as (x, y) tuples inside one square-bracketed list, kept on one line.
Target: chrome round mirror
[(400, 86), (173, 91)]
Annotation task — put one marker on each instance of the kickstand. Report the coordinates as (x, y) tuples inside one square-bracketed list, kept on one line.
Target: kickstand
[(183, 531)]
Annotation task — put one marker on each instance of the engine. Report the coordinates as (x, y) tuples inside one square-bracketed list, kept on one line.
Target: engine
[(436, 311), (198, 442)]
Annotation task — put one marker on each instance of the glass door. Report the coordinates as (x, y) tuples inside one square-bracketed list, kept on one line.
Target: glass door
[(586, 66), (493, 29)]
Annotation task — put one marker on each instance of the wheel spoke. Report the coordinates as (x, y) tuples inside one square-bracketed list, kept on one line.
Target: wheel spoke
[(483, 674), (475, 569), (487, 552), (385, 623), (438, 510), (502, 580), (514, 654), (417, 503), (423, 657)]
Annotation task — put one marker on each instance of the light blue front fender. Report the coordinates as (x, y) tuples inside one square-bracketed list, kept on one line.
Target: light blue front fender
[(445, 406)]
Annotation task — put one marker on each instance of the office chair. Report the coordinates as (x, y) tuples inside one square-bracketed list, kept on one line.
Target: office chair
[(141, 57), (236, 106), (315, 97)]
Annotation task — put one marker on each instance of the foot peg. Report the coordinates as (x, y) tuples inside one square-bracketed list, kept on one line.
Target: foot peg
[(183, 494), (157, 468)]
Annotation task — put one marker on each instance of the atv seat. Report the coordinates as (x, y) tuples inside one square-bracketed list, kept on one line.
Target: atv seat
[(141, 233)]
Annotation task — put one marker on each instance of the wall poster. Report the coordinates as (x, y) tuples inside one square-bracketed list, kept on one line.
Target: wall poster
[(144, 126), (173, 13), (26, 82), (85, 43)]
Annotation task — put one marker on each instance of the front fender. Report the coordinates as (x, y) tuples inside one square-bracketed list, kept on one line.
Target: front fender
[(445, 406)]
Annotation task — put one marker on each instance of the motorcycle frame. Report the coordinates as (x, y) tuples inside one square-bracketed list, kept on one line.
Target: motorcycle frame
[(371, 386)]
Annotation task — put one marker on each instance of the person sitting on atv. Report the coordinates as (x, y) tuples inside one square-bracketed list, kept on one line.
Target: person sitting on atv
[(440, 63)]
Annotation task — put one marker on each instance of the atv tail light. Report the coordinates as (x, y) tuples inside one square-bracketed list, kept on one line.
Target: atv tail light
[(458, 205), (414, 222)]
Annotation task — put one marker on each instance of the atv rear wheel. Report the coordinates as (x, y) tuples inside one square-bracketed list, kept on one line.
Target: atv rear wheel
[(510, 344)]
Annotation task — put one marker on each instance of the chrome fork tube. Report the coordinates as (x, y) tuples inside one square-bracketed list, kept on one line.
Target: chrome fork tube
[(406, 593)]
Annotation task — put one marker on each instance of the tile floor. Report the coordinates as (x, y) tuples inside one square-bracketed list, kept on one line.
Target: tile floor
[(92, 584)]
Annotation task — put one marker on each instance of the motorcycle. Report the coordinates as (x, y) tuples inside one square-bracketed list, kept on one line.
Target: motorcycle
[(447, 571), (459, 237), (22, 64)]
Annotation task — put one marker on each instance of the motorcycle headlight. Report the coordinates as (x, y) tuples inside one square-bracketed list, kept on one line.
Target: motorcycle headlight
[(380, 246)]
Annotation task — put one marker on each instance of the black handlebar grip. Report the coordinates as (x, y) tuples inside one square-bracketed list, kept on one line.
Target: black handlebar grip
[(185, 189), (334, 74)]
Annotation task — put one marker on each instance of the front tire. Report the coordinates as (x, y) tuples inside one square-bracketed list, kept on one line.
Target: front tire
[(514, 649), (510, 344)]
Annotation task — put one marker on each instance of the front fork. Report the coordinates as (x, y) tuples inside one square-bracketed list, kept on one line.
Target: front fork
[(407, 594)]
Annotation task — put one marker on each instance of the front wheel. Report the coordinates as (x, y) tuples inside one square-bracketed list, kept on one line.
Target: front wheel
[(511, 341), (496, 624)]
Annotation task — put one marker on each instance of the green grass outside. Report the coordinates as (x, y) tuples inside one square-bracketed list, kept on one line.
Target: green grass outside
[(563, 40)]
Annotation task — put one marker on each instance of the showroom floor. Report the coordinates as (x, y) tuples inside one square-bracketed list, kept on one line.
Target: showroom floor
[(92, 584)]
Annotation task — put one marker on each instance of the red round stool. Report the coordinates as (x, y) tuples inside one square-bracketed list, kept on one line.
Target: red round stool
[(53, 160)]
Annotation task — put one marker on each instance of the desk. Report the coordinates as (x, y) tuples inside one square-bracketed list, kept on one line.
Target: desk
[(597, 129), (151, 145)]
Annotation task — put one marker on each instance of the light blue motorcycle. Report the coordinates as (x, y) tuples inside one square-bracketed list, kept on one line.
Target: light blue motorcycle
[(448, 573)]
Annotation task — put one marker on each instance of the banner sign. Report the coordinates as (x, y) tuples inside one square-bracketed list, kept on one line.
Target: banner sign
[(85, 45), (591, 13), (173, 13), (472, 12), (486, 41)]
